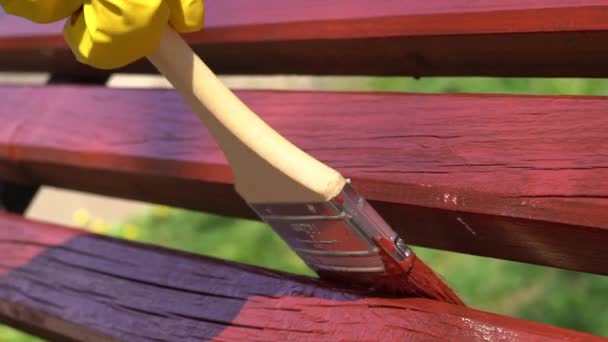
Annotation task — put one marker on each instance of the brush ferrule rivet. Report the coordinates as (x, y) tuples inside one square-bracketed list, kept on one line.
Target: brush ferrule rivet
[(402, 247)]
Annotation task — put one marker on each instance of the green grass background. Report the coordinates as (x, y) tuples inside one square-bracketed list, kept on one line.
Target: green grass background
[(567, 299)]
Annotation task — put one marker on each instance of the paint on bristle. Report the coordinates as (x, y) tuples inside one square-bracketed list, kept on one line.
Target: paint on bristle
[(410, 276), (421, 281)]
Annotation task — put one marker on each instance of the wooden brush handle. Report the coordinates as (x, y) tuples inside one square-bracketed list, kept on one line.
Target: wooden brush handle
[(267, 168)]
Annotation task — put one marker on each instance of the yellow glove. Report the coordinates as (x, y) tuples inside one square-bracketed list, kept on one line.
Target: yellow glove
[(109, 34)]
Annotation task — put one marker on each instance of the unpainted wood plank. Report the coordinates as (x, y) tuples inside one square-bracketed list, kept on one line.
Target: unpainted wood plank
[(365, 37), (519, 178), (64, 283)]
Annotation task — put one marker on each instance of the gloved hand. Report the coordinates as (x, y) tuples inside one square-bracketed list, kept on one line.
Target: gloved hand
[(109, 34)]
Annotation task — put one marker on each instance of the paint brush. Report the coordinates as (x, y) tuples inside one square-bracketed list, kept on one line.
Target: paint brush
[(309, 204)]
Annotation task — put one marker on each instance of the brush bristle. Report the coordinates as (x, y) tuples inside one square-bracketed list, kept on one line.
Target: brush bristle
[(423, 282), (420, 282)]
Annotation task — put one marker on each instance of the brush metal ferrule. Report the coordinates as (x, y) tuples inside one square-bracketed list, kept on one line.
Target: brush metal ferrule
[(343, 235)]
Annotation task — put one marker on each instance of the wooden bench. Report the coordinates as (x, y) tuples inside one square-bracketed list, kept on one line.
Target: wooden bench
[(521, 178)]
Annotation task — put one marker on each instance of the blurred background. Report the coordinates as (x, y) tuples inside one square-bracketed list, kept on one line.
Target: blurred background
[(566, 299)]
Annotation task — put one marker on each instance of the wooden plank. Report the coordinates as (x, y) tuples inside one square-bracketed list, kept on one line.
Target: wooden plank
[(518, 178), (355, 37), (62, 283), (16, 198)]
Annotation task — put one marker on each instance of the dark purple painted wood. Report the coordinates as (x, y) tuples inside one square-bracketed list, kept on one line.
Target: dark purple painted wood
[(63, 283)]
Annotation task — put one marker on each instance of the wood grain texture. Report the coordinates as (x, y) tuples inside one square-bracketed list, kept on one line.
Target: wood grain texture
[(391, 37), (86, 287), (518, 178)]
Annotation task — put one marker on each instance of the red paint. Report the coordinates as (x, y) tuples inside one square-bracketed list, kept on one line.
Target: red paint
[(243, 12), (20, 242), (87, 287), (373, 319), (509, 177), (397, 37), (229, 15), (413, 278), (330, 23), (15, 26)]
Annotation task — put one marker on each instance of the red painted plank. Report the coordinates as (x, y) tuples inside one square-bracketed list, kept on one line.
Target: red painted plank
[(20, 246), (95, 289), (515, 38), (586, 15), (519, 178)]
